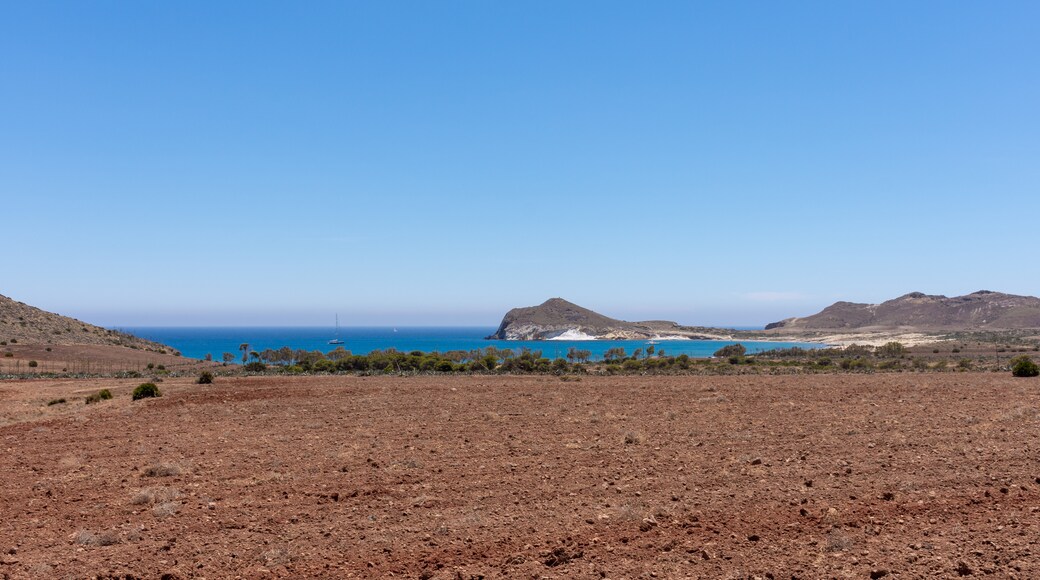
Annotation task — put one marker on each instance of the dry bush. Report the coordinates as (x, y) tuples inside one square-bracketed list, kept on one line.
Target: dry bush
[(634, 438), (150, 495), (162, 470), (165, 509), (276, 557), (838, 541)]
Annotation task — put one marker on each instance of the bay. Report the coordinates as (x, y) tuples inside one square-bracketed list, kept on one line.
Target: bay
[(196, 342)]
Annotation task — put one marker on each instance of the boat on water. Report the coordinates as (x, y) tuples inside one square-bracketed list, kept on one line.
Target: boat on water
[(336, 340)]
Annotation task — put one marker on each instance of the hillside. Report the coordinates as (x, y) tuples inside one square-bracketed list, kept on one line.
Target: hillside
[(557, 318), (982, 310), (24, 324)]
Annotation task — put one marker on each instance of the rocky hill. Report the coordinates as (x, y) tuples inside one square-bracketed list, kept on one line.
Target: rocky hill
[(982, 310), (558, 319), (24, 324)]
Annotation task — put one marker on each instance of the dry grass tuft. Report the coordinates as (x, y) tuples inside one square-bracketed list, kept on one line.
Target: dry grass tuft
[(165, 509), (634, 438), (88, 538), (150, 495), (162, 470)]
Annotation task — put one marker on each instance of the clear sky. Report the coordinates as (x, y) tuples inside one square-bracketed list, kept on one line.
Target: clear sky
[(212, 163)]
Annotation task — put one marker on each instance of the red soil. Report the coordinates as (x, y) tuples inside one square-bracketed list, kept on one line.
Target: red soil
[(898, 475)]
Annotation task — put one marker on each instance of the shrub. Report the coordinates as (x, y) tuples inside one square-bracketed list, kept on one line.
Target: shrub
[(206, 378), (9, 354), (55, 402), (146, 390), (731, 350), (161, 367), (102, 395), (891, 350), (1023, 366), (254, 367), (150, 366), (33, 364), (856, 364)]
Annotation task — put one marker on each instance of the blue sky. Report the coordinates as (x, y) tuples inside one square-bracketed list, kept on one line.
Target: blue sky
[(440, 162)]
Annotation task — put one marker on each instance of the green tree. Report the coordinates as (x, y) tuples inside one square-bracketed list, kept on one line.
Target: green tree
[(228, 357), (244, 347), (891, 350), (731, 350), (614, 353)]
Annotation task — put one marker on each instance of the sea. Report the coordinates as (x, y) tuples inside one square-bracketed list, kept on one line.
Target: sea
[(197, 342)]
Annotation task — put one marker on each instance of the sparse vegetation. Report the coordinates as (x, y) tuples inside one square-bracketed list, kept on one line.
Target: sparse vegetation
[(146, 390), (53, 402), (33, 364), (102, 395), (205, 378)]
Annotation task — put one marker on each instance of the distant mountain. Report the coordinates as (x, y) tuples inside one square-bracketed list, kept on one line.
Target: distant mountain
[(982, 310), (559, 319), (24, 324)]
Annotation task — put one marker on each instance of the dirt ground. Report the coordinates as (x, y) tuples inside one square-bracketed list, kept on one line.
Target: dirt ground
[(859, 476), (88, 358)]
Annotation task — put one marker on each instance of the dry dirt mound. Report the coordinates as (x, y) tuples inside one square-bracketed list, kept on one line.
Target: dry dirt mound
[(797, 476)]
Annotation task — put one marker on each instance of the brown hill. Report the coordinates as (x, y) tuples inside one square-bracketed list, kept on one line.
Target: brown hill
[(24, 324), (982, 310), (556, 316)]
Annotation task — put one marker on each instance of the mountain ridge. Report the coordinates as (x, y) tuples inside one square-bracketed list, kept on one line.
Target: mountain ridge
[(981, 310)]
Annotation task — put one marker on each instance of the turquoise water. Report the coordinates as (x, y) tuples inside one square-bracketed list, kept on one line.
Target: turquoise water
[(196, 342)]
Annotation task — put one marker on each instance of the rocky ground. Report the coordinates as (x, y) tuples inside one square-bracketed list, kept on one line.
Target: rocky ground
[(862, 476)]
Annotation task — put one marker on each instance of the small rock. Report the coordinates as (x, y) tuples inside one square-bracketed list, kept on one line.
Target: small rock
[(879, 573), (756, 461)]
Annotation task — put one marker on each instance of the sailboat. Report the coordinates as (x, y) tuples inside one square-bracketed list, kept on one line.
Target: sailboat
[(336, 340)]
